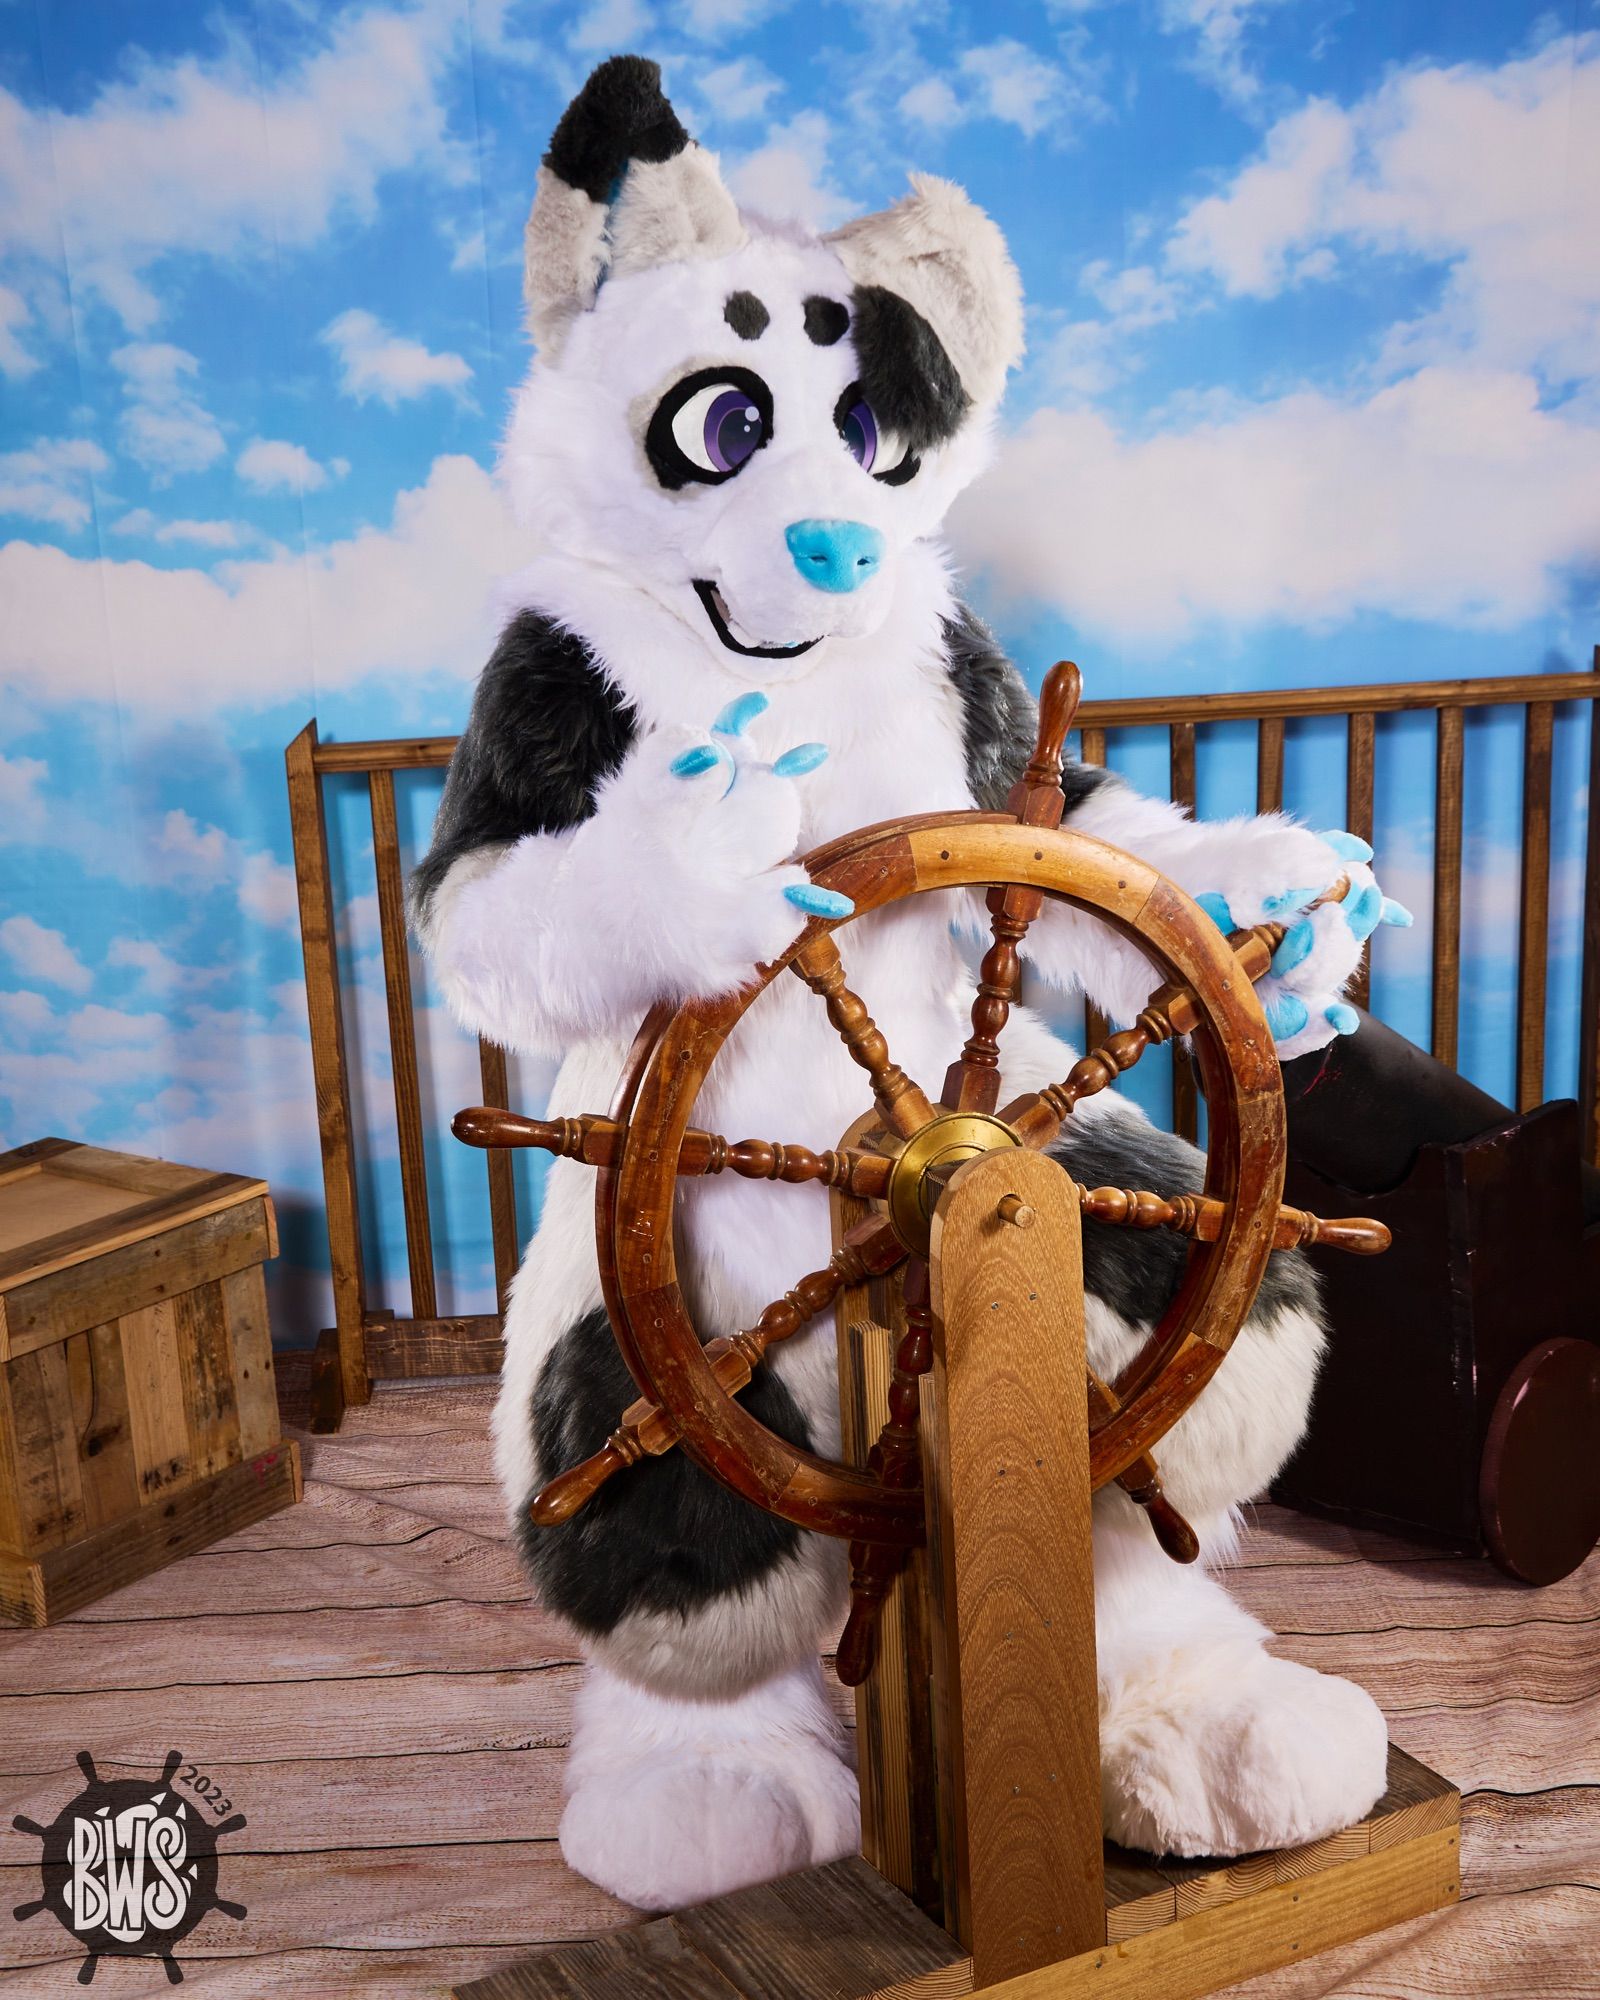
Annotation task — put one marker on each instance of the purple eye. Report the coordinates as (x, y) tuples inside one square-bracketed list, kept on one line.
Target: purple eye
[(859, 429), (717, 425)]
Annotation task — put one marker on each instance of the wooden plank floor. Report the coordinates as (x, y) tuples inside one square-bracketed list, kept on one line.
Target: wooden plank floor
[(366, 1678)]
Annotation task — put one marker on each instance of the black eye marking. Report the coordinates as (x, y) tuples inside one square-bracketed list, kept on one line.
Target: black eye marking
[(745, 313), (826, 320), (906, 374), (707, 426)]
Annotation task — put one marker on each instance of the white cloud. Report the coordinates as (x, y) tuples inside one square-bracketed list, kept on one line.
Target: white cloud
[(714, 20), (159, 972), (738, 91), (1489, 172), (273, 465), (377, 363), (187, 851), (607, 26), (218, 158), (1218, 28), (22, 809), (15, 359), (26, 1013), (44, 954), (95, 1024), (164, 424), (52, 480), (788, 177), (1007, 81), (1450, 496), (205, 534), (407, 600)]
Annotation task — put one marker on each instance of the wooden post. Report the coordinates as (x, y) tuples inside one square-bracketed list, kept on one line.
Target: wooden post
[(317, 936), (1011, 1571)]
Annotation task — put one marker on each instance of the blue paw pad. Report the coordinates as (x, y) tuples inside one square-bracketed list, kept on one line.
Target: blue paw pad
[(817, 901), (1296, 947), (1290, 899), (691, 762), (1342, 1018), (1286, 1016), (1365, 913), (1348, 846), (1396, 913), (1216, 908), (802, 758), (738, 715)]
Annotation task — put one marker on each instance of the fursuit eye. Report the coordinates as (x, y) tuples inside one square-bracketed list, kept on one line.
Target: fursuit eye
[(709, 425), (719, 427), (859, 429)]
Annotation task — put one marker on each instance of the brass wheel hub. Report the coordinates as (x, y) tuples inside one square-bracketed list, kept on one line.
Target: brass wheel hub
[(927, 1161)]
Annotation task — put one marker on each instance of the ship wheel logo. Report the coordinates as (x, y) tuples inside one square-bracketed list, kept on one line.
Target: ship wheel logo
[(129, 1868)]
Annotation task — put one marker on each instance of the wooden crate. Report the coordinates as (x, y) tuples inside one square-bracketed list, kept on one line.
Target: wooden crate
[(138, 1408)]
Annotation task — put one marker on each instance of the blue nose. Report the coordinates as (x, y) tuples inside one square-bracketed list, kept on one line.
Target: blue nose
[(835, 555)]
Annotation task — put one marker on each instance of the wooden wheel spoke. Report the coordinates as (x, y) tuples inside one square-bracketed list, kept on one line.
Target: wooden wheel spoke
[(1142, 1483), (1202, 1220), (902, 1102), (896, 1458), (598, 1142), (972, 1082), (647, 1430)]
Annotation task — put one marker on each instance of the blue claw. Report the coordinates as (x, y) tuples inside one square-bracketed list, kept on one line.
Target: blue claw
[(1296, 946), (1290, 899), (802, 758), (1286, 1016), (1216, 908), (1365, 913), (1348, 846), (738, 715), (819, 902), (1342, 1018), (697, 758), (1396, 913)]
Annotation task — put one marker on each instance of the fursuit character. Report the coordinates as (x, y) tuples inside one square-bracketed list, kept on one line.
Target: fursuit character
[(733, 455)]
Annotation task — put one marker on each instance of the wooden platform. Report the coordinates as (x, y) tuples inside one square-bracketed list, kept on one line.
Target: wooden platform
[(364, 1675), (842, 1933)]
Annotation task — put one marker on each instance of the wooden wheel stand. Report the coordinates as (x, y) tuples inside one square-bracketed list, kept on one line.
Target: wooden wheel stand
[(969, 1469)]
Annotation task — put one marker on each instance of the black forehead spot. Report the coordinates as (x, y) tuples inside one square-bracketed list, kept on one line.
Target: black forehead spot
[(906, 375), (745, 313), (826, 320)]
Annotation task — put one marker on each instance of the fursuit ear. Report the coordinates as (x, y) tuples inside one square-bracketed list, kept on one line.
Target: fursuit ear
[(622, 188), (938, 307)]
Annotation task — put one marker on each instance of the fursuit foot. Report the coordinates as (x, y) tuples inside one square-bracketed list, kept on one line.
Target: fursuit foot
[(670, 1803), (1232, 1750)]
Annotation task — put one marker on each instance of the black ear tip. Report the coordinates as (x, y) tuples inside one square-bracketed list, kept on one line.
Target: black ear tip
[(619, 115)]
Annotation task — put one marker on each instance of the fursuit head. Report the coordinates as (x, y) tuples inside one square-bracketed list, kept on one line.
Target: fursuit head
[(737, 636)]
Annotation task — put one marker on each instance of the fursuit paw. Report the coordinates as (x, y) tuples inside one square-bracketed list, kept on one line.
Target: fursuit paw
[(1321, 950), (1231, 1753), (725, 823), (681, 1827)]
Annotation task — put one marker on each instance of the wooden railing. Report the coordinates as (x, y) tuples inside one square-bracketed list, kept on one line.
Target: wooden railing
[(369, 1343)]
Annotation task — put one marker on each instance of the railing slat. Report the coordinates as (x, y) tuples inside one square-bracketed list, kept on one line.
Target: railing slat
[(1447, 888), (1269, 764), (502, 1187), (1376, 698), (1185, 1116), (1533, 944), (1092, 750), (402, 1044), (1359, 752)]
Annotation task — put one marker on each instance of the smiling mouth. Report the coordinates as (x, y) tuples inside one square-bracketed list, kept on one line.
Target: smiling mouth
[(717, 611)]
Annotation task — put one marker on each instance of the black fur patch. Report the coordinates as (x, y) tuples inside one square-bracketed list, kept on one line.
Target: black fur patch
[(745, 313), (618, 116), (546, 727), (1136, 1272), (826, 320), (662, 1535), (1001, 717), (908, 378)]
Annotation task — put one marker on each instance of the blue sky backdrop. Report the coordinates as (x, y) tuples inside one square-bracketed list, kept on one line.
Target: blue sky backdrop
[(1312, 396)]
